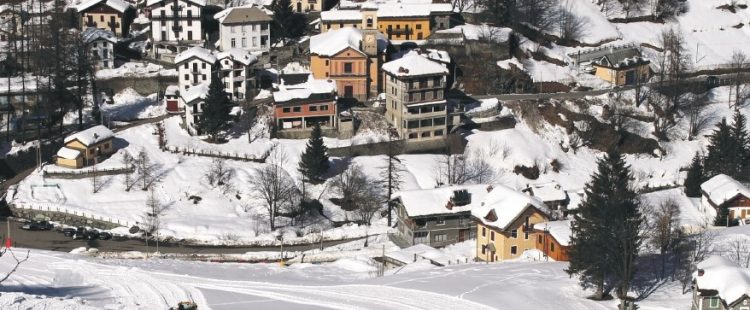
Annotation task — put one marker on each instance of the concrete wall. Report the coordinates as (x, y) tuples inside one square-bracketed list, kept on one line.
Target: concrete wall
[(142, 85), (381, 148), (62, 217)]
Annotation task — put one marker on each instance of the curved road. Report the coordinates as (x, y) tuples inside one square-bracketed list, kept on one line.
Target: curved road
[(56, 241)]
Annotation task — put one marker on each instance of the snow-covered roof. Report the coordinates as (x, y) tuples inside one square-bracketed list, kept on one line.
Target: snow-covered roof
[(474, 32), (423, 202), (171, 90), (118, 5), (68, 153), (196, 2), (340, 15), (503, 205), (92, 34), (422, 251), (730, 281), (396, 9), (723, 188), (91, 136), (196, 92), (334, 41), (196, 51), (304, 90), (548, 192), (239, 55), (437, 55), (242, 14), (560, 230), (412, 64)]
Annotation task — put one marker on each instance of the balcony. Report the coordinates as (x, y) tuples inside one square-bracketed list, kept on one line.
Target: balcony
[(405, 31), (176, 16)]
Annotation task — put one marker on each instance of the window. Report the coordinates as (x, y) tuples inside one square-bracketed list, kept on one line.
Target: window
[(187, 77), (324, 108), (204, 77), (441, 238), (297, 109), (347, 67), (421, 237), (326, 62), (101, 18), (484, 249), (438, 133), (526, 234), (439, 121), (419, 36), (551, 246), (484, 231), (425, 123), (190, 18), (492, 235), (419, 26), (244, 42), (286, 110), (440, 221), (369, 22), (426, 134), (232, 29), (313, 108), (514, 234), (190, 36), (341, 25), (232, 43), (513, 250), (186, 65), (539, 239), (435, 94), (713, 302), (413, 135), (203, 65)]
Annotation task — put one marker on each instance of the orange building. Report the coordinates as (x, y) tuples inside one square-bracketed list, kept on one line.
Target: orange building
[(553, 239), (352, 58), (300, 107)]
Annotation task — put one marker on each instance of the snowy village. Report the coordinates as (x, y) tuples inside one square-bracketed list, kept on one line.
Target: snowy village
[(375, 154)]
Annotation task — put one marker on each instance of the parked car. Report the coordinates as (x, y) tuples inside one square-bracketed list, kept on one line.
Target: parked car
[(68, 231), (105, 235), (92, 234), (80, 233), (37, 225)]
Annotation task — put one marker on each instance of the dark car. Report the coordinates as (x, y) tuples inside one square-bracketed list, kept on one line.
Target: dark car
[(105, 235), (37, 225), (69, 231), (80, 233), (92, 234)]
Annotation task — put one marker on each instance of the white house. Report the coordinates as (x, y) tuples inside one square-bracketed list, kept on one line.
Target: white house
[(194, 100), (247, 28), (721, 284), (722, 190), (175, 21), (194, 67), (237, 72), (101, 44)]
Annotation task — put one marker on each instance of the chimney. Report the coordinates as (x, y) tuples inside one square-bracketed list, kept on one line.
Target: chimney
[(701, 272), (449, 205), (489, 188)]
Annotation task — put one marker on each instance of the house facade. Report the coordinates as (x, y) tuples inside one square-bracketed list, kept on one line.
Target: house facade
[(237, 73), (300, 107), (724, 191), (247, 28), (396, 20), (437, 217), (175, 21), (351, 57), (85, 148), (193, 100), (101, 47), (505, 224), (720, 284), (553, 239), (194, 67), (305, 6), (414, 90), (622, 67), (111, 15)]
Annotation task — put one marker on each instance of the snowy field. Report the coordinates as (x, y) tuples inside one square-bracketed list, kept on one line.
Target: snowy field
[(68, 281)]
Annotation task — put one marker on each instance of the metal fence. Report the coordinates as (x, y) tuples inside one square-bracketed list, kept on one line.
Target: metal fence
[(218, 154)]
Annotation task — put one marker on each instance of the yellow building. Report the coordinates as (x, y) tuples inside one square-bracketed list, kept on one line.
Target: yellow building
[(86, 147), (352, 58), (505, 224), (397, 21), (112, 15), (623, 67), (304, 6)]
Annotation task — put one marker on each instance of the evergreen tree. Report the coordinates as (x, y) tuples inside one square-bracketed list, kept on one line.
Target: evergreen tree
[(694, 177), (606, 231), (286, 23), (741, 153), (216, 110), (720, 158), (722, 217), (314, 161)]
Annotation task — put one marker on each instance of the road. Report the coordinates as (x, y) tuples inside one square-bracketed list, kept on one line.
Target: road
[(56, 241)]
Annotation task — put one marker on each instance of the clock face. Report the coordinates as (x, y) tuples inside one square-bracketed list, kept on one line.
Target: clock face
[(370, 39)]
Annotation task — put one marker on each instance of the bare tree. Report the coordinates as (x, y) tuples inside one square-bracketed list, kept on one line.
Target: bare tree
[(95, 184), (694, 248), (219, 174), (739, 63), (665, 230), (391, 173), (358, 193), (695, 111), (152, 218), (274, 185), (369, 205), (570, 26), (738, 251), (145, 170), (130, 167), (469, 167)]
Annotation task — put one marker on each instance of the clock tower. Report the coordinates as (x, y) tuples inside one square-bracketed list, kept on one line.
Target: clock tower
[(370, 42)]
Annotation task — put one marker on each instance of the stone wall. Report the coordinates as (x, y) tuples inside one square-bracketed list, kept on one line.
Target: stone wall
[(142, 85), (453, 141)]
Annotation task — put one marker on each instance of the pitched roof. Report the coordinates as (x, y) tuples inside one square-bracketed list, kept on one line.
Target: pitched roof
[(196, 92), (723, 188), (730, 281), (240, 15), (304, 90), (560, 230), (341, 15), (91, 136), (334, 41), (412, 64), (239, 55), (548, 192), (118, 5), (172, 90), (197, 51), (423, 202), (68, 153), (506, 204), (92, 34)]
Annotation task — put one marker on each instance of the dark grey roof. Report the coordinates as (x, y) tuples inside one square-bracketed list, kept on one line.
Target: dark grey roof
[(245, 15)]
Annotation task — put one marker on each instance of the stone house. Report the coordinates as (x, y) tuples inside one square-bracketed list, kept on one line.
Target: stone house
[(247, 28)]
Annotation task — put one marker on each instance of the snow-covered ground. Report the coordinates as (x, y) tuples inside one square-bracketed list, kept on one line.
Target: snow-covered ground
[(69, 281)]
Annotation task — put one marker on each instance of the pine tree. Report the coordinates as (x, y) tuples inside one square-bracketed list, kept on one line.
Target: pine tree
[(606, 231), (720, 158), (741, 153), (314, 161), (722, 217), (216, 110), (694, 177), (286, 22)]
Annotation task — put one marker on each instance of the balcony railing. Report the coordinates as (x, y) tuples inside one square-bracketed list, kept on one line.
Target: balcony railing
[(178, 16)]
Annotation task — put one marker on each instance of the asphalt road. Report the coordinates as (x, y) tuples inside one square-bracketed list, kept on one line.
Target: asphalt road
[(56, 241)]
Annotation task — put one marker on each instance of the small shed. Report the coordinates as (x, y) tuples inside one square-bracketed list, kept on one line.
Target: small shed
[(69, 158)]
